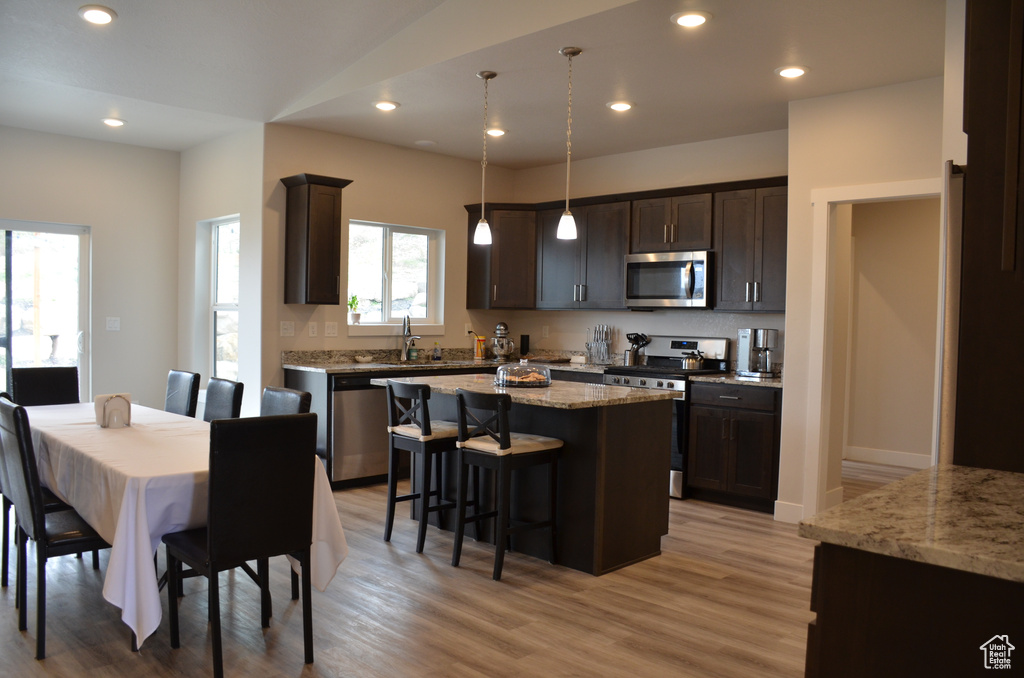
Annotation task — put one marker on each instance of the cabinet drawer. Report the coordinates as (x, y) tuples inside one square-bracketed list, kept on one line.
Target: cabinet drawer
[(727, 395)]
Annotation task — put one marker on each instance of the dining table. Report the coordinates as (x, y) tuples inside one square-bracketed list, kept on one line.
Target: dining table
[(136, 483)]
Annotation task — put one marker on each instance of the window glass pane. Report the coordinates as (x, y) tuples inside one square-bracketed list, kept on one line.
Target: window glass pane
[(226, 288), (225, 332), (409, 255), (44, 303), (366, 270)]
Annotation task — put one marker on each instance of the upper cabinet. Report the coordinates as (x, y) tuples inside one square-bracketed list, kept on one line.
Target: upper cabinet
[(504, 273), (312, 269), (587, 272), (750, 240), (671, 224)]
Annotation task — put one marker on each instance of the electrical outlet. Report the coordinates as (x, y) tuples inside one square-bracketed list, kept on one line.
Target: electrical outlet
[(330, 329), (312, 329), (287, 328), (544, 332), (469, 328), (113, 324)]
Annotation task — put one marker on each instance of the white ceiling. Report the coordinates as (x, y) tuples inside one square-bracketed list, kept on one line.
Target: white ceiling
[(184, 72)]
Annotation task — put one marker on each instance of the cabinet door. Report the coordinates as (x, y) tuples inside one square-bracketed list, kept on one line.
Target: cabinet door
[(513, 258), (313, 240), (735, 218), (707, 463), (770, 254), (752, 443), (649, 230), (558, 262), (691, 222), (603, 251)]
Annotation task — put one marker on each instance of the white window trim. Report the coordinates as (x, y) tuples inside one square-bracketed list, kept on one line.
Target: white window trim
[(211, 330)]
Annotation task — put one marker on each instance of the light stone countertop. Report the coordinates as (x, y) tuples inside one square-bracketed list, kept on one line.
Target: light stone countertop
[(732, 380), (964, 518), (565, 395)]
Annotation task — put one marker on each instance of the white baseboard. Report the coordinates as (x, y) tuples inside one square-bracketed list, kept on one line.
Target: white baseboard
[(890, 457), (786, 512)]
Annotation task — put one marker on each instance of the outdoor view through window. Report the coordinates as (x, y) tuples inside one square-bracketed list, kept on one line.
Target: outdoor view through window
[(390, 272)]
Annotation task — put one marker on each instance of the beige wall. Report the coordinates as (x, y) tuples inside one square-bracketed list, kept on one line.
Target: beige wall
[(128, 196), (894, 311), (873, 136)]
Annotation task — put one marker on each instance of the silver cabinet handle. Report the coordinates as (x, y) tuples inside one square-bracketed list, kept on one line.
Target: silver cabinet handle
[(664, 236), (494, 293), (575, 292), (673, 233), (583, 293), (724, 397), (747, 297), (757, 292)]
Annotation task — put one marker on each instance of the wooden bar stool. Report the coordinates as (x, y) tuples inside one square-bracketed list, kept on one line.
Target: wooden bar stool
[(486, 442), (410, 429)]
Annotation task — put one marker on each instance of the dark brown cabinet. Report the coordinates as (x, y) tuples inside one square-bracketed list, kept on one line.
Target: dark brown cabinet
[(733, 451), (586, 272), (671, 224), (312, 268), (750, 246), (504, 273)]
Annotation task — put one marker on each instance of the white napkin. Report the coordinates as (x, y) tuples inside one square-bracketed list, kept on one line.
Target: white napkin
[(114, 410)]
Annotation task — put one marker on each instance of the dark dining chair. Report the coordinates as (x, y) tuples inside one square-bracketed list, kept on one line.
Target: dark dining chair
[(277, 400), (260, 504), (44, 385), (223, 399), (55, 533), (182, 393)]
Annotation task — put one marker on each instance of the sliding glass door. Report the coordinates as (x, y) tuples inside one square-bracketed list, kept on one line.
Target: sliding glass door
[(45, 306)]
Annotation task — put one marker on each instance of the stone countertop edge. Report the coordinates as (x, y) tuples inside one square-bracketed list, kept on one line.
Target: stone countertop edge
[(959, 517), (732, 380), (337, 368), (563, 395)]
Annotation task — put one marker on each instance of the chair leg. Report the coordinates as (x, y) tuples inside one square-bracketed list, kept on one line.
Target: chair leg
[(6, 541), (22, 582), (40, 601), (553, 504), (263, 573), (218, 652), (307, 609), (173, 572), (421, 535), (95, 559), (460, 509), (504, 482), (295, 586), (389, 520)]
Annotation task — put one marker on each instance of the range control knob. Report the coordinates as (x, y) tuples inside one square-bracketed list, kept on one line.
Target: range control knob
[(615, 380), (661, 384), (669, 384), (625, 380), (643, 382)]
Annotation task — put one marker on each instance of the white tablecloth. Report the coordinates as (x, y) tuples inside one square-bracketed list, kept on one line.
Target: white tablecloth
[(136, 484)]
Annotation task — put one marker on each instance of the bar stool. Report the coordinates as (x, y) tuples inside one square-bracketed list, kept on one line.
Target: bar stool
[(486, 442), (410, 429)]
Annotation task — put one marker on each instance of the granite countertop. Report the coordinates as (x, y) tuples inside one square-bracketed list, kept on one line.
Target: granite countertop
[(565, 395), (732, 380), (386, 360), (959, 517)]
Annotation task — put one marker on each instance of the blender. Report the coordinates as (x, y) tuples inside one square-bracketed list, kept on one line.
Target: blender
[(502, 345)]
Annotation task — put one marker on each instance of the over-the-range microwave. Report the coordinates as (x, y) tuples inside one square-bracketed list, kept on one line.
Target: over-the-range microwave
[(668, 279)]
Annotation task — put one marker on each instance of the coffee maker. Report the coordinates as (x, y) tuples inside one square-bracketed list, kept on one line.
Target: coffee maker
[(756, 353)]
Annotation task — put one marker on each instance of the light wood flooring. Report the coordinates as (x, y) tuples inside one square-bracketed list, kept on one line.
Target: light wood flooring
[(728, 597)]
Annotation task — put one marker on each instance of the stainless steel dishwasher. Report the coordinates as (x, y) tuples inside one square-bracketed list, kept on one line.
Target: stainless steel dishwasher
[(359, 436)]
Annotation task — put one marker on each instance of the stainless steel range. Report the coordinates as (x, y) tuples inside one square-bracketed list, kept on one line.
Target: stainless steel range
[(669, 361)]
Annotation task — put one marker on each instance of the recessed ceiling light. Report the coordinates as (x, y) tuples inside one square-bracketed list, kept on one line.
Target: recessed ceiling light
[(791, 71), (619, 105), (691, 19), (97, 14), (113, 122), (386, 105), (495, 132)]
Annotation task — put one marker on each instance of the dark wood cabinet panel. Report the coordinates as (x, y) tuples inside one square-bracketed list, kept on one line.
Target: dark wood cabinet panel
[(750, 238), (733, 450), (558, 268), (504, 273), (313, 239), (671, 224)]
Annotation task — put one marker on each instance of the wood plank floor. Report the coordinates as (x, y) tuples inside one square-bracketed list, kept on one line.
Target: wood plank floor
[(728, 597)]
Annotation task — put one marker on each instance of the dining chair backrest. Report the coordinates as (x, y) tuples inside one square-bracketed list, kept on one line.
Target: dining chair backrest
[(261, 487), (223, 399), (182, 393), (484, 414), (407, 406), (44, 385), (277, 400), (21, 475)]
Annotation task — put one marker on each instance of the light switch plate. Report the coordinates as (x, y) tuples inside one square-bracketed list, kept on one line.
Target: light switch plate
[(287, 328), (330, 329), (113, 324), (312, 329)]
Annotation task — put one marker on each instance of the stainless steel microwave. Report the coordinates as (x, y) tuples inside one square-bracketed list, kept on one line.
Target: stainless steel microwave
[(668, 280)]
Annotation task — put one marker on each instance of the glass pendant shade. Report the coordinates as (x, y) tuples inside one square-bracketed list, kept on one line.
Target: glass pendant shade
[(566, 227), (482, 234)]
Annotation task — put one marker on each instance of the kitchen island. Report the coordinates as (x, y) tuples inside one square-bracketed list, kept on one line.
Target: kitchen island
[(612, 501), (922, 577)]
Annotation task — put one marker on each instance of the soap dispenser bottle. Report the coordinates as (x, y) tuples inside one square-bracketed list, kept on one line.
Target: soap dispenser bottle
[(437, 351)]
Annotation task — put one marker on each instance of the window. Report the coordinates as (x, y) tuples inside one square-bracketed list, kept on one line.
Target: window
[(396, 271), (224, 297)]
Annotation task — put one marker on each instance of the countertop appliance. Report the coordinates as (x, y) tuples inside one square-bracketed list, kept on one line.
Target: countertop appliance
[(664, 369), (502, 344), (637, 341), (668, 280), (755, 353)]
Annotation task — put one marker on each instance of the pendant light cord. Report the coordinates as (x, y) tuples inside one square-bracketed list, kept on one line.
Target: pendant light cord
[(483, 162), (568, 138)]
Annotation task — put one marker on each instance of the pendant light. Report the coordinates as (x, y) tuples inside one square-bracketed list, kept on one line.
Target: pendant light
[(482, 234), (567, 224)]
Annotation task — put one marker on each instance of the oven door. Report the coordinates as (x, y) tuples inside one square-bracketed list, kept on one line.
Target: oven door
[(680, 440), (667, 280)]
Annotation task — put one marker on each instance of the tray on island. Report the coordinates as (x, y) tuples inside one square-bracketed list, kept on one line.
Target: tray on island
[(523, 375)]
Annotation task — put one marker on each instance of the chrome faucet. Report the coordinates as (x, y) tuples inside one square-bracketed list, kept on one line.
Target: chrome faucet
[(408, 338)]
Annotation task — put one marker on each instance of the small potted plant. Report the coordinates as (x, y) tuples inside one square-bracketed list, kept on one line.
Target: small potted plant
[(353, 315)]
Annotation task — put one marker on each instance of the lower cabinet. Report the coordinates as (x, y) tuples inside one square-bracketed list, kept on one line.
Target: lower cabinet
[(733, 450)]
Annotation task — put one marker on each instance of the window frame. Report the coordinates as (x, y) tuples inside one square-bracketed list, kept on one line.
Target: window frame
[(216, 306)]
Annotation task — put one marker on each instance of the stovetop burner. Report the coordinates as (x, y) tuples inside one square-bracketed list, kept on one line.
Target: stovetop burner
[(664, 368)]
